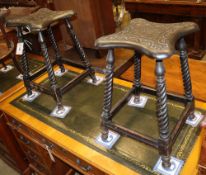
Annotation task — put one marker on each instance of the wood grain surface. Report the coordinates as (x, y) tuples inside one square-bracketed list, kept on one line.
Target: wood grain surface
[(173, 75)]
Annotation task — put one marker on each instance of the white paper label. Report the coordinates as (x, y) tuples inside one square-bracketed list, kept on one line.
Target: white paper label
[(19, 48)]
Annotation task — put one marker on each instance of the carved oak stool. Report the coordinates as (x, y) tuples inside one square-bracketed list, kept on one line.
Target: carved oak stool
[(157, 41), (37, 22)]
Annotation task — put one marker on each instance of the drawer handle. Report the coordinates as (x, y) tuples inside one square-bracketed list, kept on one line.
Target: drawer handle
[(50, 145), (85, 168), (18, 125), (27, 142)]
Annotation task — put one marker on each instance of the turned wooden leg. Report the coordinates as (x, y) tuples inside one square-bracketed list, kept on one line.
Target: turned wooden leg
[(16, 63), (56, 49), (80, 50), (24, 62), (108, 93), (50, 71), (137, 76), (186, 72), (162, 114)]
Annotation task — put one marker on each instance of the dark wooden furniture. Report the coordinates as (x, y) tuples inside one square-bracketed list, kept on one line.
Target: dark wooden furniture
[(10, 152), (43, 20), (38, 151), (94, 19), (156, 40), (174, 11)]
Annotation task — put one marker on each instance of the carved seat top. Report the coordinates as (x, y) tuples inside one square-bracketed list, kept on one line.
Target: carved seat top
[(156, 40), (39, 20)]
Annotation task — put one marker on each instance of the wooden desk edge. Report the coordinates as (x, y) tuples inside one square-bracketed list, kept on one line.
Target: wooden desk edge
[(93, 157), (11, 91)]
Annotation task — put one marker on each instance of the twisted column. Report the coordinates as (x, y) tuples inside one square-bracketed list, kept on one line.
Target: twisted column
[(56, 49), (185, 70), (80, 50), (25, 64), (108, 92), (162, 113), (50, 71), (137, 76)]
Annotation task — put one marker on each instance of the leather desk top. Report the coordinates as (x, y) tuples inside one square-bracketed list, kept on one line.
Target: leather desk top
[(76, 135)]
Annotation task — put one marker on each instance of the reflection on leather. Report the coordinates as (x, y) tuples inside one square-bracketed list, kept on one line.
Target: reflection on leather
[(9, 79)]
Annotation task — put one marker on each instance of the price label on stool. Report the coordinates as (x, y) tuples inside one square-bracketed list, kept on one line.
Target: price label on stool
[(19, 48)]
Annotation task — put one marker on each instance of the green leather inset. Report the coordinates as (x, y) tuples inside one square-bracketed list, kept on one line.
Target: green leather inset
[(7, 80), (83, 123)]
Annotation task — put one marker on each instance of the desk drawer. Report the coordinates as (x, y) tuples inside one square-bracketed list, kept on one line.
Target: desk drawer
[(38, 169), (59, 152), (25, 141), (17, 125), (76, 162), (70, 158)]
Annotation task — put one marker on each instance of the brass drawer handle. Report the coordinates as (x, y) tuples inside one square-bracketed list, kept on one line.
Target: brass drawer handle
[(23, 139), (85, 167), (16, 124)]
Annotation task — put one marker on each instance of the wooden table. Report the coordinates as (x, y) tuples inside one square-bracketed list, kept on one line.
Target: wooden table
[(173, 11), (68, 150)]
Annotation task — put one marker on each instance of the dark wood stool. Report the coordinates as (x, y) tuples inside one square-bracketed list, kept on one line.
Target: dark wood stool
[(6, 46), (38, 22), (157, 41)]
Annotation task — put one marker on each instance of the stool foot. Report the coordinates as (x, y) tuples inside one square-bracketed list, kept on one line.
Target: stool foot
[(109, 141), (59, 72), (60, 111), (98, 81), (173, 169), (19, 77), (138, 101), (194, 119), (32, 97), (6, 69)]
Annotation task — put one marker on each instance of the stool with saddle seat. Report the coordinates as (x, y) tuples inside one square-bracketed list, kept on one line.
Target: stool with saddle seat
[(38, 22), (157, 41)]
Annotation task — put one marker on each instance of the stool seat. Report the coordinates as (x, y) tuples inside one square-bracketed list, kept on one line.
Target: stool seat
[(3, 13), (39, 20), (156, 40)]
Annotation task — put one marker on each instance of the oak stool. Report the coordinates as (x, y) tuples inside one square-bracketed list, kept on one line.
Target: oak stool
[(38, 22), (157, 41)]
